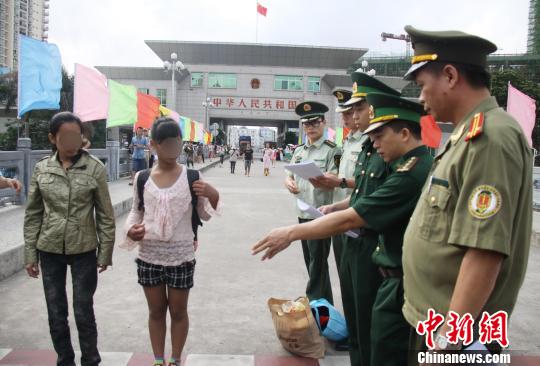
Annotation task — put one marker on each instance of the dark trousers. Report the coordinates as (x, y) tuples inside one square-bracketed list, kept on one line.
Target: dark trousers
[(233, 165), (189, 162), (360, 280), (389, 329), (316, 258), (84, 278), (151, 161)]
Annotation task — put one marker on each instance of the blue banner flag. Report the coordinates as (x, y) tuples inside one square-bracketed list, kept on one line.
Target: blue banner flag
[(40, 75)]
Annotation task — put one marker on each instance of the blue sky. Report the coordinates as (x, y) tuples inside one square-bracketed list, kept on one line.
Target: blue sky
[(112, 32)]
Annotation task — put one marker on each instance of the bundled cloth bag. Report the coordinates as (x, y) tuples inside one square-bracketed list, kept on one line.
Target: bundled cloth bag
[(329, 320), (296, 328)]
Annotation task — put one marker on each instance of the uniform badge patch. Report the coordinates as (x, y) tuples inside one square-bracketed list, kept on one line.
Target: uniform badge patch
[(339, 96), (485, 202), (355, 87), (307, 107)]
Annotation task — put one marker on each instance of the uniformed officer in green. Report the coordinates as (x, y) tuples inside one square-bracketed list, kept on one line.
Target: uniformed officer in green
[(467, 244), (359, 277), (396, 134), (321, 152)]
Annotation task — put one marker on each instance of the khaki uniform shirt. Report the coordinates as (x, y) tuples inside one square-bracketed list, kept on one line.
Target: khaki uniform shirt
[(478, 195), (352, 147), (321, 152)]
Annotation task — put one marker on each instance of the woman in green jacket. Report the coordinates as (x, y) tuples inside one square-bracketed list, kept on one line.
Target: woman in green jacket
[(69, 221)]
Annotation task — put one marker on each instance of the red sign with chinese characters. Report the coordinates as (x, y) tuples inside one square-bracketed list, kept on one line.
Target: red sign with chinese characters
[(255, 104)]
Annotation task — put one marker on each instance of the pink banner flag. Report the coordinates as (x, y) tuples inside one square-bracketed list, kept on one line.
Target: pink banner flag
[(523, 109), (331, 134), (91, 95)]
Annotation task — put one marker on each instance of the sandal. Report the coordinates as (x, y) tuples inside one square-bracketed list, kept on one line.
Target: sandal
[(174, 362)]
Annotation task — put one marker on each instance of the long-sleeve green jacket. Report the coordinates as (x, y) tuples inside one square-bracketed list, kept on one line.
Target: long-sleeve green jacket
[(69, 211)]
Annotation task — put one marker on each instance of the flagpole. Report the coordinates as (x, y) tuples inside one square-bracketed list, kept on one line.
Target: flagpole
[(257, 22)]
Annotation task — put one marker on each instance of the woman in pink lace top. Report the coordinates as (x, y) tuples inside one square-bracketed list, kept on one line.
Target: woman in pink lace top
[(163, 232)]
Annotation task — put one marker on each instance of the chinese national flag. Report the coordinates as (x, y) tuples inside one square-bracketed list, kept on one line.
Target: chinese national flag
[(431, 132), (261, 9)]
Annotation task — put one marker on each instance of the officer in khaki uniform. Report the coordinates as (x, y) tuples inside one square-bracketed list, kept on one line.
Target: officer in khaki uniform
[(467, 244), (321, 152), (352, 145), (395, 131)]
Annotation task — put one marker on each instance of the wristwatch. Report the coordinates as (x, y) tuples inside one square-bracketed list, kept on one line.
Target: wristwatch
[(443, 344), (343, 183)]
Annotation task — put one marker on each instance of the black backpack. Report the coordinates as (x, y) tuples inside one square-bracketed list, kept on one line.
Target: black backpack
[(192, 175)]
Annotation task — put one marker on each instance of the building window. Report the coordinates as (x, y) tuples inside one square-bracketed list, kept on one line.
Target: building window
[(314, 84), (161, 94), (197, 79), (288, 82), (222, 81), (144, 90)]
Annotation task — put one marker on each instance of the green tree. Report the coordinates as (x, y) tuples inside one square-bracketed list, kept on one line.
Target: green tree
[(8, 90), (291, 137), (518, 78)]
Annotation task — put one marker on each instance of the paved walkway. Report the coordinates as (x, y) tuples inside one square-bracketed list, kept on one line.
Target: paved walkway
[(228, 312)]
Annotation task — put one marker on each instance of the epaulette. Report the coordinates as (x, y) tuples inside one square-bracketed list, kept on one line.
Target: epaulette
[(96, 159), (45, 157), (409, 164), (330, 143), (477, 125)]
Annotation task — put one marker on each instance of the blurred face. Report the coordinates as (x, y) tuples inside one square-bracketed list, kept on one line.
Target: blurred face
[(361, 115), (434, 94), (68, 140), (169, 149), (347, 118), (139, 132), (389, 144), (314, 129)]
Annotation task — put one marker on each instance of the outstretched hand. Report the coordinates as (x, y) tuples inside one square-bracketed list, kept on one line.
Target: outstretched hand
[(273, 243)]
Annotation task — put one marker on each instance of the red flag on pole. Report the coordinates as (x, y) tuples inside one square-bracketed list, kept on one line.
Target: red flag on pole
[(431, 132), (261, 9)]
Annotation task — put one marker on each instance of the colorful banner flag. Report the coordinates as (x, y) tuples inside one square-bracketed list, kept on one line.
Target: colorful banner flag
[(431, 132), (147, 110), (40, 75), (122, 104), (164, 110), (261, 9), (523, 108), (185, 126), (331, 134), (91, 94), (339, 136)]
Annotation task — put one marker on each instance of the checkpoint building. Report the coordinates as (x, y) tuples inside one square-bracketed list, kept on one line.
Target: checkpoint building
[(242, 84)]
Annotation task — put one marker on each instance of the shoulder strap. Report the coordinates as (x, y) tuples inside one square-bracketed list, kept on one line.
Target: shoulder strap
[(193, 175), (142, 178)]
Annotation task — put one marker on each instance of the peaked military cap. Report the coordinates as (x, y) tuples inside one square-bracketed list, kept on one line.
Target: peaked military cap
[(447, 46), (364, 84), (342, 96), (310, 110), (385, 108)]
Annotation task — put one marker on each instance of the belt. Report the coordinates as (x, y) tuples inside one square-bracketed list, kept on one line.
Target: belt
[(367, 232), (390, 272)]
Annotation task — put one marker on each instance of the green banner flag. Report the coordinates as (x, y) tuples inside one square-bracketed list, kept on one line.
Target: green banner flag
[(122, 104)]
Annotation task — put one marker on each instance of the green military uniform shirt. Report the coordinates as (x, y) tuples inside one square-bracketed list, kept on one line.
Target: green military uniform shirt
[(321, 152), (388, 209), (479, 195), (352, 146)]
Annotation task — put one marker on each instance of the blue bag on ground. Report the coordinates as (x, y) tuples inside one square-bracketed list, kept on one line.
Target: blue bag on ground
[(335, 328)]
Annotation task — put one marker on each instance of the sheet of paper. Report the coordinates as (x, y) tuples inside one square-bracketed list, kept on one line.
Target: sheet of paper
[(316, 214), (305, 170)]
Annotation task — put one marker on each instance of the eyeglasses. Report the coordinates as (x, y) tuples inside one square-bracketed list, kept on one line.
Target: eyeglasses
[(314, 123)]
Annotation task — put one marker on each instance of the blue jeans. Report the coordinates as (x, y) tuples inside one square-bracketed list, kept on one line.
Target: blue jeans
[(84, 278), (139, 164)]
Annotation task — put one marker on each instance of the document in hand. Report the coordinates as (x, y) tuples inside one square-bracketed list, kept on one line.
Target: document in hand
[(316, 213), (305, 170)]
